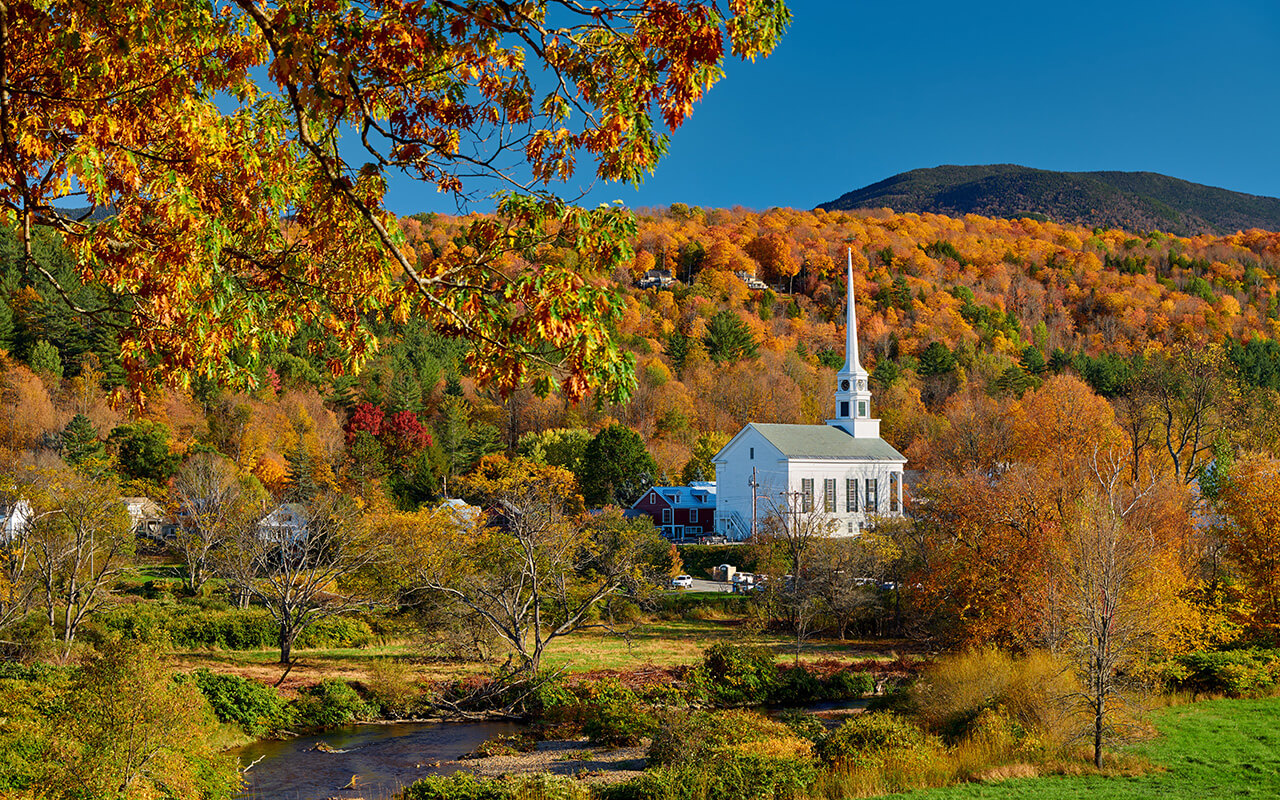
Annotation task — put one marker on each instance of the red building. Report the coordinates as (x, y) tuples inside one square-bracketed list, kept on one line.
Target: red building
[(680, 512)]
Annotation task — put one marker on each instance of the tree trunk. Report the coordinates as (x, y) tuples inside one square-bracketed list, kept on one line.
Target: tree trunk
[(286, 644)]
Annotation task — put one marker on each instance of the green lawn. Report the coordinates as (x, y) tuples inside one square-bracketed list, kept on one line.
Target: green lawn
[(682, 642), (1220, 748)]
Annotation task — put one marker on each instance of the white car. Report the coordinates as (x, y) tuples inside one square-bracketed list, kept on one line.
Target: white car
[(682, 582)]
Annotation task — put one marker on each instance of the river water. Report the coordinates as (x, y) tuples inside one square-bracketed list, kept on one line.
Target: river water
[(381, 758)]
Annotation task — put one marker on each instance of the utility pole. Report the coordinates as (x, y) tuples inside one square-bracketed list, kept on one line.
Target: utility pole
[(755, 485)]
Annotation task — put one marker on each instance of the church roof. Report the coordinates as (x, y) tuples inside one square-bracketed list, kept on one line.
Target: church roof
[(825, 441)]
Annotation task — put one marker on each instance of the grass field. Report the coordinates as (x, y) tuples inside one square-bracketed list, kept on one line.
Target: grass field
[(662, 643), (1213, 749)]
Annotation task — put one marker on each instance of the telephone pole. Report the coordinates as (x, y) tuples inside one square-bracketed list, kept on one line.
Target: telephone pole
[(755, 485)]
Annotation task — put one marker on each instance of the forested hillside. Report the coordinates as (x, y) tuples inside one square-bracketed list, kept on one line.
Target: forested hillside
[(953, 312), (1136, 201)]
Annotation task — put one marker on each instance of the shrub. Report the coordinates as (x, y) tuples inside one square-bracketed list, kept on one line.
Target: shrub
[(732, 776), (190, 626), (329, 704), (806, 726), (796, 686), (847, 684), (556, 705), (733, 675), (701, 736), (613, 715), (455, 787), (392, 688), (503, 745), (869, 740), (955, 690), (469, 787), (1233, 672), (257, 709)]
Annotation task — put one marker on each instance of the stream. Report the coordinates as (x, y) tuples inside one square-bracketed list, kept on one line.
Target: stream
[(382, 759)]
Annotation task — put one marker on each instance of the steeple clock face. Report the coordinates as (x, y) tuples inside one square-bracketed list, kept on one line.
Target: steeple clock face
[(862, 385), (844, 386)]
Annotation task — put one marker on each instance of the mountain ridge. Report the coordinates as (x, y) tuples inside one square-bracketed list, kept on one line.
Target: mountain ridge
[(1136, 201)]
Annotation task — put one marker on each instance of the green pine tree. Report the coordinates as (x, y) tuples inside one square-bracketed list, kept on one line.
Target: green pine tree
[(729, 339), (44, 360), (80, 442), (302, 486), (6, 326)]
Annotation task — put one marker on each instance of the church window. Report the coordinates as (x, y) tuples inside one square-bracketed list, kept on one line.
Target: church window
[(872, 504), (851, 494), (893, 491), (844, 408), (829, 495), (850, 528), (862, 408), (753, 452), (806, 494)]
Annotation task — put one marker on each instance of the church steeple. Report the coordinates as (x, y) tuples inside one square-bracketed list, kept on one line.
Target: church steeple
[(853, 390)]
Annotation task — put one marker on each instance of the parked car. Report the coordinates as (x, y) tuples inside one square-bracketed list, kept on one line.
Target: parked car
[(682, 582)]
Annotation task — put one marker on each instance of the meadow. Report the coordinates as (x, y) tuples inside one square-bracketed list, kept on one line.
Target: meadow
[(1210, 749)]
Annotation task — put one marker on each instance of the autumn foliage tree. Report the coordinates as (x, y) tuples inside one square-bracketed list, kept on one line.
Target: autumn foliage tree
[(202, 128), (1249, 502)]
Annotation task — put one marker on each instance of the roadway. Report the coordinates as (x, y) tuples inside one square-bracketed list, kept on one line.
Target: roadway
[(709, 586)]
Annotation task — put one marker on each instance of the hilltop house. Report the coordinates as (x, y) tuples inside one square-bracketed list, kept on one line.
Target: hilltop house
[(679, 512), (841, 469)]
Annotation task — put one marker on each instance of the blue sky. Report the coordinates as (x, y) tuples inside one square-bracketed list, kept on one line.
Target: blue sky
[(859, 91)]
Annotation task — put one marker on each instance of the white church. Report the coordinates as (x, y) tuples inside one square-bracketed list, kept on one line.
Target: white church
[(842, 469)]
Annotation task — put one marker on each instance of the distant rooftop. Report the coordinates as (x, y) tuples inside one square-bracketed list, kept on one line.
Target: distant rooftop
[(825, 441)]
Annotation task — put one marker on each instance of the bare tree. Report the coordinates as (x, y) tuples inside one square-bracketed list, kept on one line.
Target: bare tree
[(16, 586), (1112, 613), (80, 539), (303, 562), (796, 526), (533, 568), (1189, 393), (210, 502)]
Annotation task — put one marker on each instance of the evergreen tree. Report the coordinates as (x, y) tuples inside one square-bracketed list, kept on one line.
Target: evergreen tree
[(142, 451), (729, 339), (1059, 360), (80, 442), (44, 360), (301, 482), (677, 349), (452, 429), (616, 468), (6, 326), (1032, 360), (936, 359)]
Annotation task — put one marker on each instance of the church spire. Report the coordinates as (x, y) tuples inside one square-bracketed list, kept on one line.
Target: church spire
[(852, 363), (853, 390)]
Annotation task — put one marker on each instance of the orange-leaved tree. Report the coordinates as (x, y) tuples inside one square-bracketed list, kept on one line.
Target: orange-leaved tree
[(233, 159), (1249, 503)]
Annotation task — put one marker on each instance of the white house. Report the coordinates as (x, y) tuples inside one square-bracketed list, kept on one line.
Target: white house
[(15, 516), (843, 468), (286, 524)]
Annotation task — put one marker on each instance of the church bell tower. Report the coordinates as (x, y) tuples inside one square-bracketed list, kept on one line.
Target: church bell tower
[(853, 388)]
